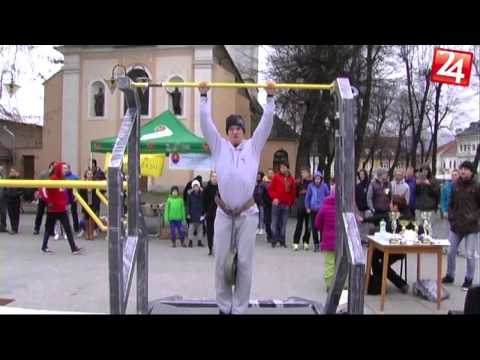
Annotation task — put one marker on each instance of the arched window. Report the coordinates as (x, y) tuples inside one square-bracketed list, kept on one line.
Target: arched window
[(136, 74), (176, 97), (97, 99)]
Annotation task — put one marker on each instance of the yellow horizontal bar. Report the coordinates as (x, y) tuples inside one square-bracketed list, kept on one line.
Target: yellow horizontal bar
[(90, 212), (55, 184), (101, 197), (235, 85)]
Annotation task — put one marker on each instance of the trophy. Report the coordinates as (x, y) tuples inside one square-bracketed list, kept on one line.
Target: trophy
[(394, 215), (427, 226), (404, 223)]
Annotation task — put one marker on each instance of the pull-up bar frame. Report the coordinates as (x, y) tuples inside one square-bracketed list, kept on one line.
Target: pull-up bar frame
[(299, 86)]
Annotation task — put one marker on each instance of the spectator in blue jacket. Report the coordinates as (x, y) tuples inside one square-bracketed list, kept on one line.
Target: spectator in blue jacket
[(446, 193), (317, 191)]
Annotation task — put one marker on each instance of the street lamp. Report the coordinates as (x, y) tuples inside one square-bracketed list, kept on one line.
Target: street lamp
[(111, 83), (11, 87)]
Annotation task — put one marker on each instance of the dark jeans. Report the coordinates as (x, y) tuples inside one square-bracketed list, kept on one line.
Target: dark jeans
[(210, 230), (177, 226), (13, 208), (3, 215), (50, 223), (302, 218), (279, 223), (268, 221), (74, 211), (375, 283), (313, 215), (39, 216)]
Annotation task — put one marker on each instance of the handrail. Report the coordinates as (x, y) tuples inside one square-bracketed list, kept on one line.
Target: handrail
[(101, 196), (90, 212), (56, 184)]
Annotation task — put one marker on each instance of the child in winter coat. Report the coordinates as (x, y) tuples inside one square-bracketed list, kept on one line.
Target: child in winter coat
[(175, 216), (325, 224), (195, 214)]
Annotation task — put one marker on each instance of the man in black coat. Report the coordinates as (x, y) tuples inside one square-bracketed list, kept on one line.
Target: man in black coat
[(464, 218), (210, 208)]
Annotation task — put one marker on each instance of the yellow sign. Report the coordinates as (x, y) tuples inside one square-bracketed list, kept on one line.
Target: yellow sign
[(150, 164)]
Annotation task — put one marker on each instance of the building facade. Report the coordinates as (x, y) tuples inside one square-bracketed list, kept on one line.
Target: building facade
[(20, 145), (80, 108)]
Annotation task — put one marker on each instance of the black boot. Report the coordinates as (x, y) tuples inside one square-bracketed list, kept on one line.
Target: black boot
[(200, 244), (190, 243)]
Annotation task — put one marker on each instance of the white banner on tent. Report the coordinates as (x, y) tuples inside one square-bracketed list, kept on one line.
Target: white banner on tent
[(191, 162)]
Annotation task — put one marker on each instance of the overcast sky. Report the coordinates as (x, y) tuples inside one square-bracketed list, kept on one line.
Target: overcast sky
[(470, 109), (29, 98)]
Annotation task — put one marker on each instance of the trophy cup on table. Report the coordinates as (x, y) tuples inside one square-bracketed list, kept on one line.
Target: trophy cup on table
[(394, 215), (404, 223), (427, 227)]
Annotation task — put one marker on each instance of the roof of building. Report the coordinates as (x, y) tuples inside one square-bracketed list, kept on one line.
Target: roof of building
[(473, 129), (282, 131), (449, 149)]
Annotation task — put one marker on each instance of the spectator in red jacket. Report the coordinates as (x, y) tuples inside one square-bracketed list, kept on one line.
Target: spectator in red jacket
[(282, 191), (57, 202)]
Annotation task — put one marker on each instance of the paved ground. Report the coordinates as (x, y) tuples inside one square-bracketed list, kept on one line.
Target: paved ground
[(80, 283)]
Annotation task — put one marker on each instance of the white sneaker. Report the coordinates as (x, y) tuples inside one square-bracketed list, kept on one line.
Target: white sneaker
[(80, 233), (56, 237), (262, 232), (65, 236), (258, 232)]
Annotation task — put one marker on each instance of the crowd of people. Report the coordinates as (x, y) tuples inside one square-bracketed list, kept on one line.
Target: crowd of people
[(57, 206), (410, 194)]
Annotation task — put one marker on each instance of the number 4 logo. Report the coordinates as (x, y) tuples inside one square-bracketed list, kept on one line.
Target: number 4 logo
[(452, 67)]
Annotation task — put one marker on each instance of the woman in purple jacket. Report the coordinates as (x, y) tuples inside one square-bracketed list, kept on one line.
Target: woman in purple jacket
[(325, 224)]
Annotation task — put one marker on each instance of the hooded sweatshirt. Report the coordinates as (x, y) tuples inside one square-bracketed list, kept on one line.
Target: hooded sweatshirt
[(56, 199), (325, 222), (316, 194)]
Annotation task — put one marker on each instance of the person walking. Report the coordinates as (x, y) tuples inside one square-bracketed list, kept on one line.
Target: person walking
[(57, 201), (464, 218)]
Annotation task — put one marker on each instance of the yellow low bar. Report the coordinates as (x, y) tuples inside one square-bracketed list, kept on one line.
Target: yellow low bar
[(300, 86), (90, 212), (55, 184), (101, 196)]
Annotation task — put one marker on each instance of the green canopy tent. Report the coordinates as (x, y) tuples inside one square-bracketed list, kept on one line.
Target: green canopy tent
[(163, 134)]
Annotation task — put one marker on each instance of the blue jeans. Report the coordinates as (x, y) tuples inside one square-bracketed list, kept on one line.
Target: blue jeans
[(471, 247), (261, 215), (279, 223), (177, 226)]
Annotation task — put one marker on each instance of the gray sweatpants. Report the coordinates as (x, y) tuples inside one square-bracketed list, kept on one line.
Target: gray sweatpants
[(471, 253), (234, 299)]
